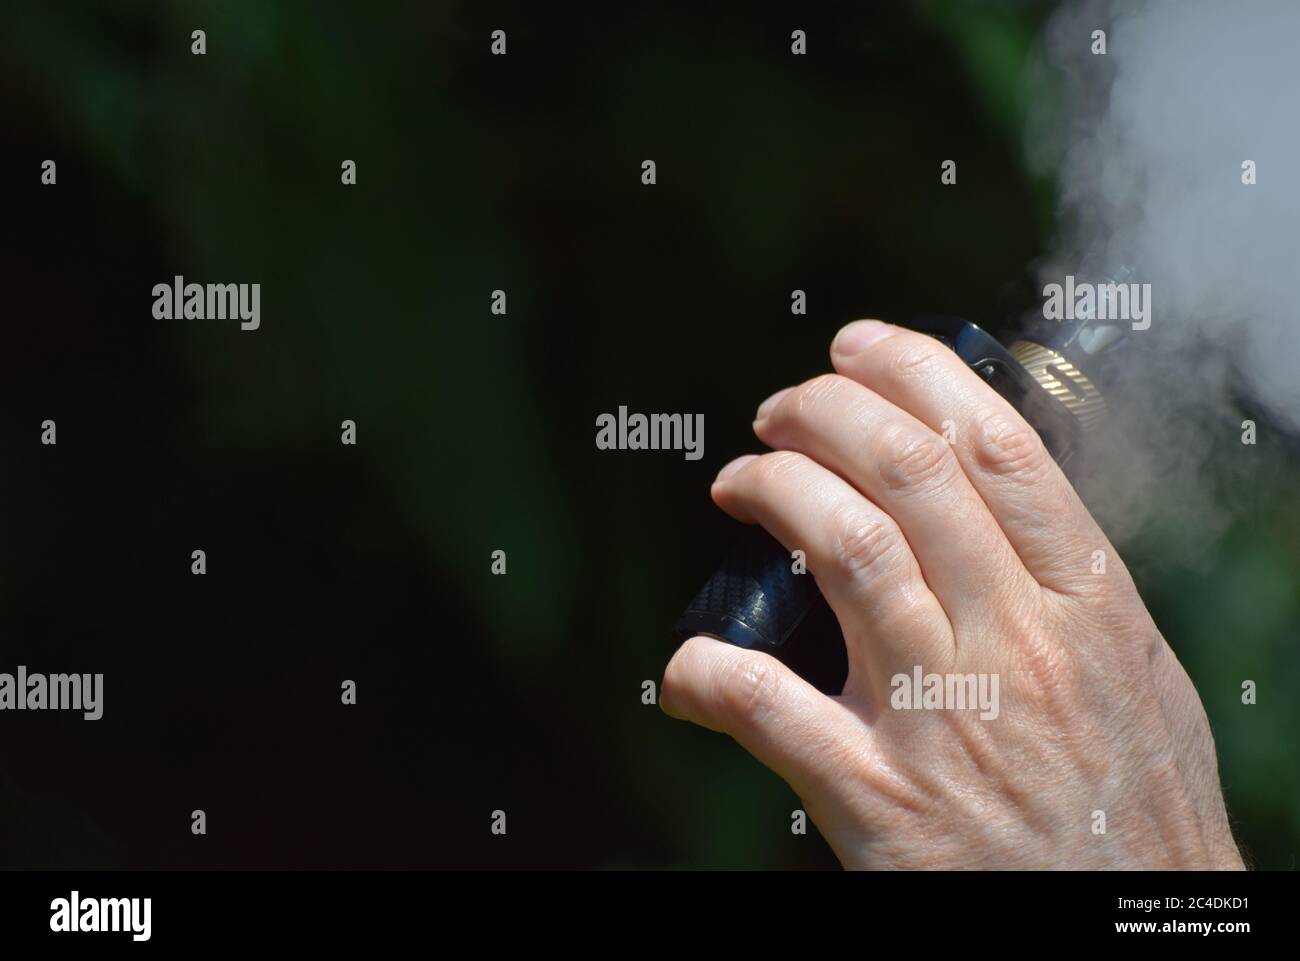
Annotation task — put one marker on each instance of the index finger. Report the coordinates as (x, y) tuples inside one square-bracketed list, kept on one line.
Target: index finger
[(1026, 492)]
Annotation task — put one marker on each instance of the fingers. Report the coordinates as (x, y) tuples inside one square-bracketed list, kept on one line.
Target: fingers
[(1023, 488), (809, 739), (910, 472), (860, 558)]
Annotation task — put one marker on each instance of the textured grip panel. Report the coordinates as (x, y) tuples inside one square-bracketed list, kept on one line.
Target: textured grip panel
[(753, 599)]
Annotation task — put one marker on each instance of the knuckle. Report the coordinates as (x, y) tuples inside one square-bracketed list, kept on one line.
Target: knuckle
[(772, 467), (865, 545), (1010, 449), (1048, 662), (917, 460), (1048, 669), (814, 392), (749, 687), (914, 359)]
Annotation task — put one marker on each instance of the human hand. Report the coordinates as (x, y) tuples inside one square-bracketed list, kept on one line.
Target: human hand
[(966, 556)]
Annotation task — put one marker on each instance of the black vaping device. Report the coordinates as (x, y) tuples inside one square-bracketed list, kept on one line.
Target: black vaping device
[(756, 600)]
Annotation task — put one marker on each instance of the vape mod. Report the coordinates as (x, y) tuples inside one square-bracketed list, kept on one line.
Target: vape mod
[(756, 600)]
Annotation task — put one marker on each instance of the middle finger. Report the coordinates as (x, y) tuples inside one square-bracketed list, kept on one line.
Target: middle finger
[(911, 473)]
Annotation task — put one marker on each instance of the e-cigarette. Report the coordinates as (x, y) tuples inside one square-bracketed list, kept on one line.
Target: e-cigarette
[(755, 599)]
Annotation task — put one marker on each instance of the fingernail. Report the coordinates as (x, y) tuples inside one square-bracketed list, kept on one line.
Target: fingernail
[(734, 466), (765, 408), (860, 335)]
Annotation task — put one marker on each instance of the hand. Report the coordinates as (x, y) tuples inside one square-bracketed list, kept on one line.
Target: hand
[(966, 556)]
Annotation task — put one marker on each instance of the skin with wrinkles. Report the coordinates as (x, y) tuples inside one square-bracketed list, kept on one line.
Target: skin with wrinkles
[(943, 535)]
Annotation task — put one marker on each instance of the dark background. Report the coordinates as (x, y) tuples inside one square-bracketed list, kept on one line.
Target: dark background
[(476, 431)]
